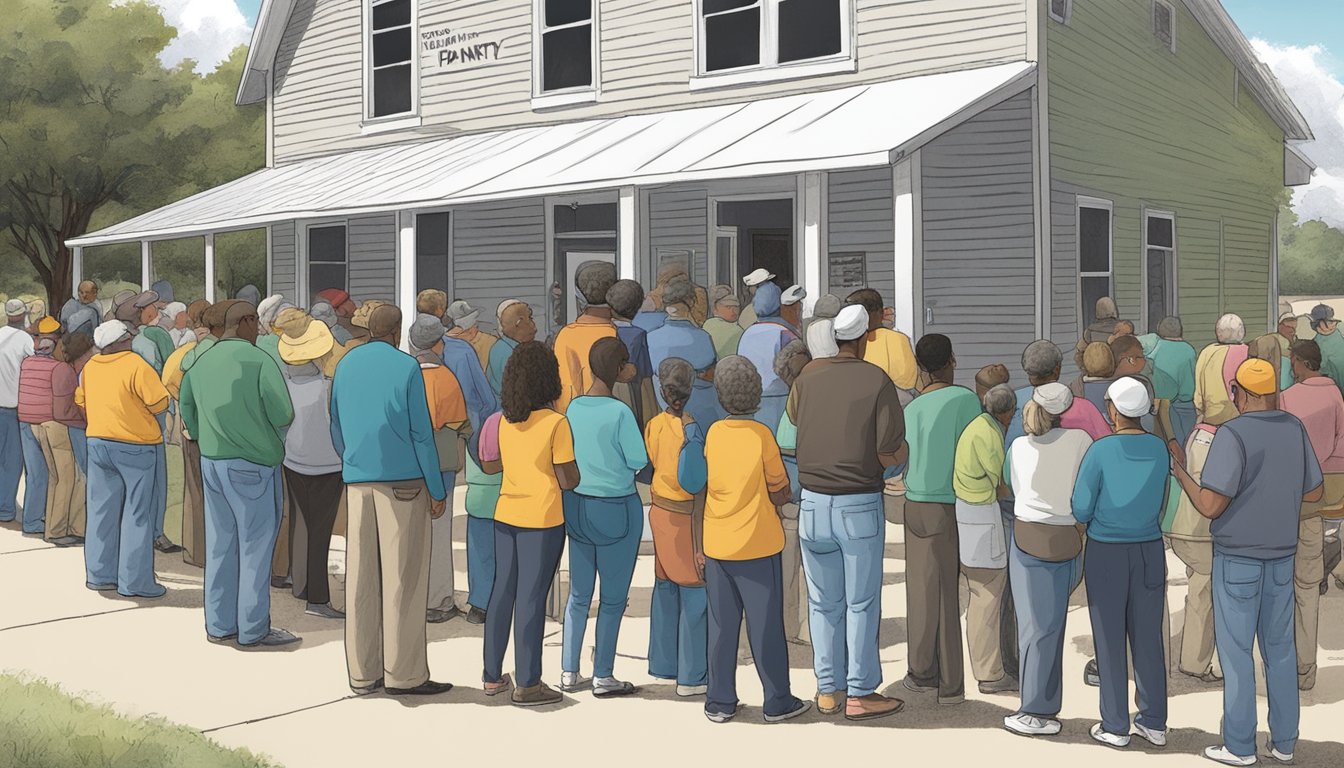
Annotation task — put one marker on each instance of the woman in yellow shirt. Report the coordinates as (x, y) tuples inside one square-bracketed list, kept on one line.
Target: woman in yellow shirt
[(536, 455), (743, 539)]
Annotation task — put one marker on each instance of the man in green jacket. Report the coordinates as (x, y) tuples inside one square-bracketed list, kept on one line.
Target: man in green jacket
[(1330, 341), (235, 404)]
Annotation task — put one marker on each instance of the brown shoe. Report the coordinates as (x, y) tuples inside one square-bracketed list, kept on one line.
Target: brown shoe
[(872, 706), (538, 695), (830, 703), (499, 686)]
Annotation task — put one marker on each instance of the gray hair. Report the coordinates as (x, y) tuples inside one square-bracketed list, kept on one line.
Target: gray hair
[(738, 384), (999, 399), (322, 310), (785, 356), (1041, 358), (425, 332), (676, 377), (1230, 329), (1170, 328), (594, 279), (679, 292)]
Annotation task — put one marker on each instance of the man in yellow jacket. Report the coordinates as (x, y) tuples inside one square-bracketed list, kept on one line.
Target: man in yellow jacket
[(888, 349)]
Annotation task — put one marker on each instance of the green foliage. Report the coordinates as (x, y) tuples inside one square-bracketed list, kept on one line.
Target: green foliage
[(1311, 257), (46, 728), (94, 129)]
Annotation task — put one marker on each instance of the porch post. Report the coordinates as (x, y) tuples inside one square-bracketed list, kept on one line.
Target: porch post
[(628, 235), (405, 273), (908, 233), (813, 188), (210, 268), (146, 270), (77, 266)]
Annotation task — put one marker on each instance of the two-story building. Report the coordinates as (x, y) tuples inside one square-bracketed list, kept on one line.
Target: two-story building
[(991, 168)]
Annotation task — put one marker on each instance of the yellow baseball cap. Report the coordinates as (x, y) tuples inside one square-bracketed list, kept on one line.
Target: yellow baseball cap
[(48, 325), (1257, 377)]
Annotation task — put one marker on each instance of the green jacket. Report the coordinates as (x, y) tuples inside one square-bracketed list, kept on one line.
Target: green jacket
[(270, 344), (235, 403), (162, 341), (194, 354), (1332, 356)]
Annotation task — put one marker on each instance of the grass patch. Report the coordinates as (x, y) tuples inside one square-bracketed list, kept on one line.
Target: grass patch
[(45, 728)]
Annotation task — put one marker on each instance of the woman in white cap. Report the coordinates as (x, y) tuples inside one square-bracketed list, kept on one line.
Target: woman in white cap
[(1119, 496), (1043, 564)]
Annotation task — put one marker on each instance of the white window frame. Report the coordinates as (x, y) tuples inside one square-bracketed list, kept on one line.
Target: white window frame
[(1068, 12), (585, 94), (302, 279), (1152, 21), (770, 69), (1095, 203), (402, 120), (1174, 309)]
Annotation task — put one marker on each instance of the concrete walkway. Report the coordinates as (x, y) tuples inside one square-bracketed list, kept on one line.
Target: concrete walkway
[(151, 658)]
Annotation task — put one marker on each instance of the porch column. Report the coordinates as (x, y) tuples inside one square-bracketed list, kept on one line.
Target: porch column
[(909, 234), (146, 270), (812, 188), (210, 268), (628, 235), (77, 266), (405, 277)]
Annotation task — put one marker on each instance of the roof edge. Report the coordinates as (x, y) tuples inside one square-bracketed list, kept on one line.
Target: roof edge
[(261, 50)]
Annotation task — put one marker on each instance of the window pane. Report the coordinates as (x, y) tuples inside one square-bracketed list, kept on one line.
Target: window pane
[(1094, 240), (1159, 285), (598, 217), (324, 276), (393, 14), (1159, 232), (1093, 288), (733, 40), (392, 91), (567, 58), (326, 244), (560, 12), (716, 6), (392, 47), (808, 29), (431, 233)]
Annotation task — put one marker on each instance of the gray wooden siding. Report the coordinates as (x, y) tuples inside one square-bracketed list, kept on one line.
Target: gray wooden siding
[(860, 217), (678, 219), (283, 260), (499, 252), (979, 244), (646, 60), (373, 257)]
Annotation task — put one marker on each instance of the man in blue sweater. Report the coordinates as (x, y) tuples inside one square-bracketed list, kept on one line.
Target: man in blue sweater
[(380, 426)]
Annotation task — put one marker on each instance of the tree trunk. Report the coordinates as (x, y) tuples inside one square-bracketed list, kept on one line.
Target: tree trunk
[(60, 285)]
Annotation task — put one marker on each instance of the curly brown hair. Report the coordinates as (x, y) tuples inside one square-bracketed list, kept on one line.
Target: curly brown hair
[(531, 381)]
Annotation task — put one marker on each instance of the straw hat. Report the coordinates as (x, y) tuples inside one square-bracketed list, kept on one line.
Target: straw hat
[(365, 311), (311, 344)]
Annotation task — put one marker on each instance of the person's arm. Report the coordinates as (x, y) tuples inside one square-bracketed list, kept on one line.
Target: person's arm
[(422, 434), (1086, 489), (692, 470), (63, 394), (562, 457), (150, 389), (889, 421), (1312, 479), (632, 444), (186, 405), (337, 440), (491, 462), (902, 357), (275, 400), (1220, 478), (1209, 503), (791, 405), (776, 478)]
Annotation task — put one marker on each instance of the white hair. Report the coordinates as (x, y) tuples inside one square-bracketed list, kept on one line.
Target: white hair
[(1230, 329)]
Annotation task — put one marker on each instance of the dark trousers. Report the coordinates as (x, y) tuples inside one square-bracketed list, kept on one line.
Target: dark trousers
[(754, 588), (193, 505), (933, 598), (1008, 620), (313, 501), (526, 560), (1126, 595)]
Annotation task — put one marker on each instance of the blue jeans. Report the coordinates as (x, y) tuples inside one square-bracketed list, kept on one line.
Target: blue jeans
[(1183, 420), (679, 633), (526, 560), (119, 536), (35, 481), (79, 442), (1041, 592), (1254, 599), (242, 520), (754, 588), (11, 463), (604, 539), (480, 560), (160, 500), (1127, 600), (843, 539)]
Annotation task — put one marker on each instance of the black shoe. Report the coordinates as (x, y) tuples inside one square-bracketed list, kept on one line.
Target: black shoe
[(165, 546), (440, 615), (281, 582), (1092, 674), (475, 615), (427, 688), (221, 640), (66, 541)]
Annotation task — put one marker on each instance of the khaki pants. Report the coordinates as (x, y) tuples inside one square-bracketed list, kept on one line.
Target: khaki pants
[(1308, 571), (933, 602), (1197, 649), (984, 611), (795, 586), (387, 584), (65, 513), (280, 557), (193, 505)]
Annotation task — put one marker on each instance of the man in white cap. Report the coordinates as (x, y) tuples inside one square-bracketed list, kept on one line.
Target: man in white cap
[(840, 469), (791, 307), (15, 345), (16, 313), (761, 343), (122, 397), (723, 327), (1119, 495), (465, 327), (753, 281)]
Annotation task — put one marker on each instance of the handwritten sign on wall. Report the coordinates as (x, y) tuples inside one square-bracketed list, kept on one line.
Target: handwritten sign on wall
[(454, 47)]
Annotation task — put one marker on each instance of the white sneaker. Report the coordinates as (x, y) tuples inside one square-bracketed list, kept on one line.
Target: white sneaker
[(1283, 757), (1109, 739), (1031, 725), (1221, 755), (1156, 738), (570, 682), (687, 691)]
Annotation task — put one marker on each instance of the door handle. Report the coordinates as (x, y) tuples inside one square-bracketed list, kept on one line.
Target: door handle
[(928, 315)]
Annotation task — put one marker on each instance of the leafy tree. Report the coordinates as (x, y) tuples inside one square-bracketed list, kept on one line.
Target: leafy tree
[(1311, 257)]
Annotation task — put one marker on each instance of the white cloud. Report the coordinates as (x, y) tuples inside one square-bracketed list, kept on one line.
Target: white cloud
[(1319, 95), (207, 30)]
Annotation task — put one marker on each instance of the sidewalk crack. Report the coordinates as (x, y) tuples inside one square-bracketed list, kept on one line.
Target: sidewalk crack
[(278, 715)]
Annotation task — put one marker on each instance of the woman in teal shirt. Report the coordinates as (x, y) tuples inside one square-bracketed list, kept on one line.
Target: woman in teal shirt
[(604, 518)]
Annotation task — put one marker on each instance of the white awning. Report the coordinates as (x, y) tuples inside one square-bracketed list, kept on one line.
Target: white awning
[(855, 127)]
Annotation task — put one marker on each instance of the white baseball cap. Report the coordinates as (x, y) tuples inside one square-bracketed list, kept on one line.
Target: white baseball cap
[(757, 277), (1129, 397), (851, 323), (109, 333), (792, 295)]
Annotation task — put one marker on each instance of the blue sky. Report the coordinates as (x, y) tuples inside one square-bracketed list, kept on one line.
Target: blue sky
[(1294, 22)]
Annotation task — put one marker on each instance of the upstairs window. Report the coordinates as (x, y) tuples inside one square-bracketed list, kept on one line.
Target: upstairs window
[(567, 43), (1061, 10), (1164, 24), (746, 34), (391, 56)]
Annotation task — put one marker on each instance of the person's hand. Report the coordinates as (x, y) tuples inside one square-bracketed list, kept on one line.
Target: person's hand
[(1177, 453), (700, 564), (437, 507), (687, 418), (888, 316)]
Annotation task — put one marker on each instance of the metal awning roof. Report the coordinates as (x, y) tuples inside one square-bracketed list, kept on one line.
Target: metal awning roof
[(854, 127)]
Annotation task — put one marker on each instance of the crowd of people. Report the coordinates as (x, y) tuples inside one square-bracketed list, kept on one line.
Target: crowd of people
[(772, 449)]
